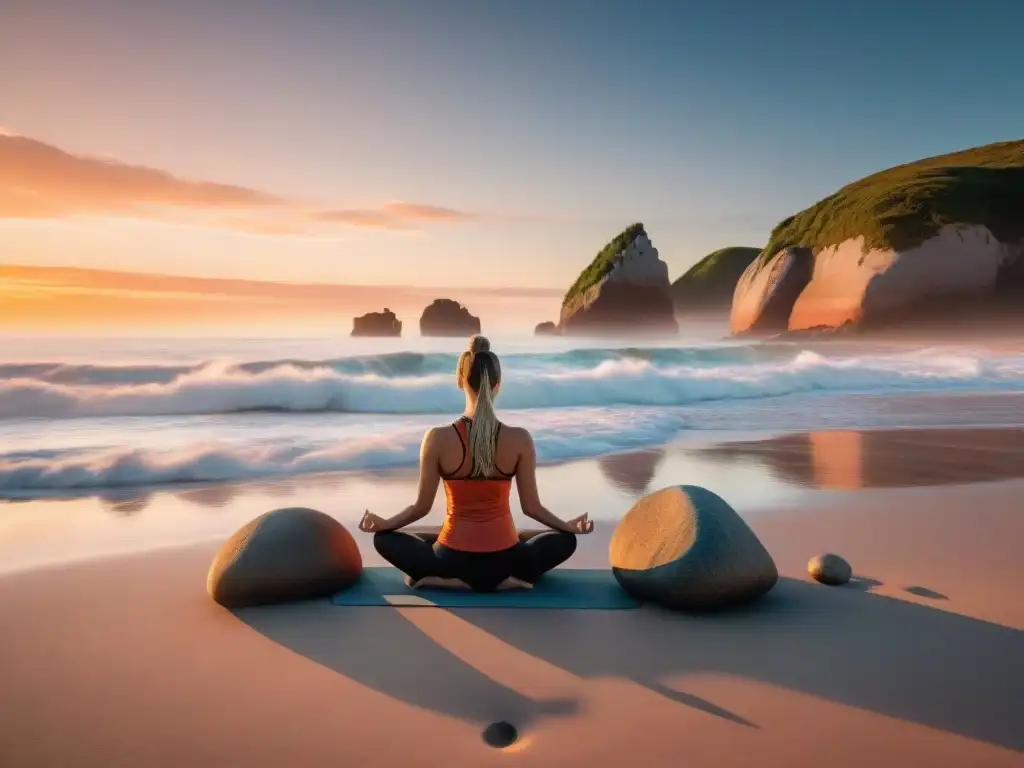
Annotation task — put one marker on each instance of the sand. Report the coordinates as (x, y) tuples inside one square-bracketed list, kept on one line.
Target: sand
[(124, 661)]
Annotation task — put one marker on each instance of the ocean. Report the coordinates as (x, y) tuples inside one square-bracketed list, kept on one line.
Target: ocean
[(80, 415)]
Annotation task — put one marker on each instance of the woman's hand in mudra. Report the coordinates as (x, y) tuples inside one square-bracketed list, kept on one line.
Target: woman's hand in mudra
[(582, 524), (372, 523)]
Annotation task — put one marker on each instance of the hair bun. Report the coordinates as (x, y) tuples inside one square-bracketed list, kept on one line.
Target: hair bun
[(479, 344)]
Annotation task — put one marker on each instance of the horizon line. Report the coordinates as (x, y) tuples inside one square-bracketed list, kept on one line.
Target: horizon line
[(52, 268)]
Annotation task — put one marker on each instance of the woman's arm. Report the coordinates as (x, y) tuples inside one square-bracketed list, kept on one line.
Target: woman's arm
[(430, 478), (529, 496)]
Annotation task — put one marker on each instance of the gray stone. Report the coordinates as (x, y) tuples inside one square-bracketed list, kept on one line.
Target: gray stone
[(287, 554), (684, 547), (829, 569)]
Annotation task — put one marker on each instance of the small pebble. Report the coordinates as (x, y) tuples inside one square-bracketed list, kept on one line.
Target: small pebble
[(500, 734), (829, 569)]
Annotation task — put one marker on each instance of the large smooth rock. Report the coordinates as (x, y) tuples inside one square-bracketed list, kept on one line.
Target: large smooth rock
[(829, 569), (546, 328), (287, 554), (684, 547), (767, 291), (445, 317)]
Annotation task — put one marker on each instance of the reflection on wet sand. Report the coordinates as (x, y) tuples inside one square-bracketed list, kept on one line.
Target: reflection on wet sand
[(130, 501), (884, 459), (632, 472), (210, 496), (125, 503)]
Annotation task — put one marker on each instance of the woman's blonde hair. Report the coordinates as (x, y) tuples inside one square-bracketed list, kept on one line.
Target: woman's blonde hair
[(480, 372)]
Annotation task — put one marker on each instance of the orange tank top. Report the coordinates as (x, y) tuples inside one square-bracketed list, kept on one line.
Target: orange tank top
[(479, 518)]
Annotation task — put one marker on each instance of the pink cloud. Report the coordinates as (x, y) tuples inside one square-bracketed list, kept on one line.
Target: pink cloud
[(38, 180)]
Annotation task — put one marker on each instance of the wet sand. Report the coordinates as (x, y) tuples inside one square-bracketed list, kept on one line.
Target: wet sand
[(122, 660)]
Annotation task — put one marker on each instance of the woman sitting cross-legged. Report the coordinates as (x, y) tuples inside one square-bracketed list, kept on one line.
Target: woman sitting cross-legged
[(477, 457)]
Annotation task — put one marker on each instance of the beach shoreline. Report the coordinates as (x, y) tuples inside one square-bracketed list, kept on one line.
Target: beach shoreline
[(124, 660)]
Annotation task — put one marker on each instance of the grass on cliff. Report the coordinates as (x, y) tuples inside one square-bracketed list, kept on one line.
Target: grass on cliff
[(713, 279), (903, 206), (602, 263)]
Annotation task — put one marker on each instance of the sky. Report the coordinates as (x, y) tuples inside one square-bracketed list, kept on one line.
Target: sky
[(490, 143)]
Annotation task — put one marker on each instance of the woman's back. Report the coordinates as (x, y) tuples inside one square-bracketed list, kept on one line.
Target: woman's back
[(479, 515)]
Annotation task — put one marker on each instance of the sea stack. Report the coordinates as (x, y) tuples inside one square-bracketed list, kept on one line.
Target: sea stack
[(445, 317), (546, 328), (384, 323), (625, 290)]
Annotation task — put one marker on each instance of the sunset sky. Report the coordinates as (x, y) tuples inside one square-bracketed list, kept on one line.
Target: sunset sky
[(463, 143)]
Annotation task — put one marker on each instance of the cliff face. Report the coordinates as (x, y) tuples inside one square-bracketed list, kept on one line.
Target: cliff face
[(902, 246), (377, 324), (765, 293), (710, 283), (445, 317), (849, 286), (625, 289), (844, 286)]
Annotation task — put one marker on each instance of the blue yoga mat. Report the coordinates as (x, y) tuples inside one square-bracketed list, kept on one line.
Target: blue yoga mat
[(565, 588)]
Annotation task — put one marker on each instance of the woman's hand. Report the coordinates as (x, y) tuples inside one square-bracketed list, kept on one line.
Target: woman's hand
[(582, 524), (372, 523)]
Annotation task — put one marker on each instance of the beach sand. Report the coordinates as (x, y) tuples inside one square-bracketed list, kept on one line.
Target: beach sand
[(122, 659)]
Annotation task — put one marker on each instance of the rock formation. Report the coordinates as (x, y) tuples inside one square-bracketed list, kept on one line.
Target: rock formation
[(710, 283), (625, 289), (764, 295), (933, 241), (287, 554), (684, 547), (445, 317), (851, 285), (546, 328), (384, 323)]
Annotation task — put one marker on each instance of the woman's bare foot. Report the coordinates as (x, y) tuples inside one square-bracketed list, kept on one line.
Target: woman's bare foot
[(513, 583), (437, 582)]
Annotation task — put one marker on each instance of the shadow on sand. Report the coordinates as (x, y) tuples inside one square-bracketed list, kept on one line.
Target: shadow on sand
[(881, 654), (379, 648)]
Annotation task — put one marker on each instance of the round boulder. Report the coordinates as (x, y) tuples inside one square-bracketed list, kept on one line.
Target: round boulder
[(684, 547), (829, 569), (287, 554)]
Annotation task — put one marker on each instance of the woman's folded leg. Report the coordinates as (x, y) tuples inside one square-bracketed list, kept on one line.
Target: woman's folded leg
[(409, 553), (541, 553)]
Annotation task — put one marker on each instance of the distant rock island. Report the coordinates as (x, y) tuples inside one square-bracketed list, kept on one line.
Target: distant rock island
[(546, 328), (384, 323), (710, 283), (932, 241), (445, 317), (625, 289)]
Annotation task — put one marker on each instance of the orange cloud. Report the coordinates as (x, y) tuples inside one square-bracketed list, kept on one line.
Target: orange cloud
[(394, 215), (38, 180)]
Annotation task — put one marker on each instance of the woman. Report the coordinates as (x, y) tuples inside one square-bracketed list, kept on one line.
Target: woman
[(477, 457)]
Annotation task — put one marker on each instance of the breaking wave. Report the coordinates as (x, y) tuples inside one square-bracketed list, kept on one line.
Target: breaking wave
[(411, 383)]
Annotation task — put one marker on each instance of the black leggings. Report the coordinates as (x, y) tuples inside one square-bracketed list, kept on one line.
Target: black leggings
[(418, 555)]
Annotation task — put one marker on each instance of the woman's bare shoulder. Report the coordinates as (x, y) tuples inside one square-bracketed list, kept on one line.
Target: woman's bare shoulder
[(518, 436), (442, 433)]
